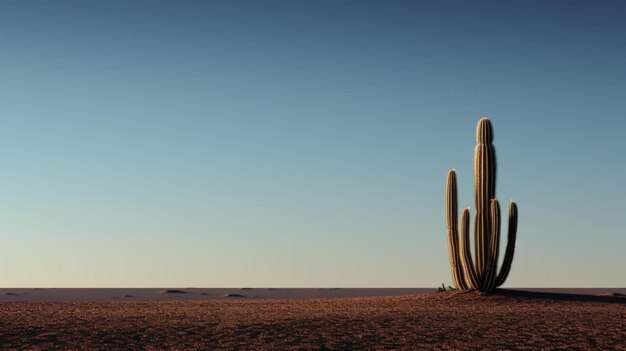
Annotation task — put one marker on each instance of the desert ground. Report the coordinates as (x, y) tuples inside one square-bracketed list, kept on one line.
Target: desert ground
[(506, 320)]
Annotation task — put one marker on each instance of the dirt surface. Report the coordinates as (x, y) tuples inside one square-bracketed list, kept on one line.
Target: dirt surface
[(508, 320)]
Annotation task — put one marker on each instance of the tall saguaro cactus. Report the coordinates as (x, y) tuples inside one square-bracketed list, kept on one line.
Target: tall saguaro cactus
[(480, 273)]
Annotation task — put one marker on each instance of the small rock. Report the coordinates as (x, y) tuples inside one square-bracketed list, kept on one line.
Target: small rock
[(233, 295), (174, 291)]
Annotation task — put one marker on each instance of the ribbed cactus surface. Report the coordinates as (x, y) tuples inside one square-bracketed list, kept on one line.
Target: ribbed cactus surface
[(481, 272), (452, 231)]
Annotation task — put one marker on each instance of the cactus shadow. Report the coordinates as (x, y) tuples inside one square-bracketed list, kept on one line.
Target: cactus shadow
[(617, 299)]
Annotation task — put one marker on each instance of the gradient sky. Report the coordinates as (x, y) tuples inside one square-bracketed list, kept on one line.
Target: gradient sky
[(304, 143)]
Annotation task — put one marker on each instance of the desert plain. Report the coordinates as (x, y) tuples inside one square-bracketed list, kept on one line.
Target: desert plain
[(312, 319)]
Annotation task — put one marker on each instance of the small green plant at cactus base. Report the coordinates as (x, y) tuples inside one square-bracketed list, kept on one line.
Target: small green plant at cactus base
[(480, 273), (443, 288)]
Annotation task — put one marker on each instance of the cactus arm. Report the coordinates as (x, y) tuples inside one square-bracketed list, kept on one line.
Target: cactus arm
[(469, 271), (451, 228), (510, 245), (490, 280)]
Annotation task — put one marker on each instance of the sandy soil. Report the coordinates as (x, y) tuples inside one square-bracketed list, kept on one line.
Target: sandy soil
[(509, 320)]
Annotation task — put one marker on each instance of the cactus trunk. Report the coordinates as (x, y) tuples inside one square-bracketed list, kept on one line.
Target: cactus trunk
[(484, 192), (480, 273)]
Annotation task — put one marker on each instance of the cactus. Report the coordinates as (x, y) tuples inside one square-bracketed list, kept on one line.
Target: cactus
[(480, 273)]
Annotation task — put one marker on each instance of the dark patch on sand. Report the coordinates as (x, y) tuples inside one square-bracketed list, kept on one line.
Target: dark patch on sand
[(13, 294), (612, 294), (174, 291), (233, 295)]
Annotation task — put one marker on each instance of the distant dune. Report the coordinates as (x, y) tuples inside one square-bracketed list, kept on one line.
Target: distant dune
[(166, 294)]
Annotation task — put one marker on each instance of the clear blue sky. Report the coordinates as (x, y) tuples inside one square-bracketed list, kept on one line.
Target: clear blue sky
[(304, 143)]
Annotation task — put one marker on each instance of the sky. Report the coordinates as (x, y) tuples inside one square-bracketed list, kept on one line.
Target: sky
[(304, 143)]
